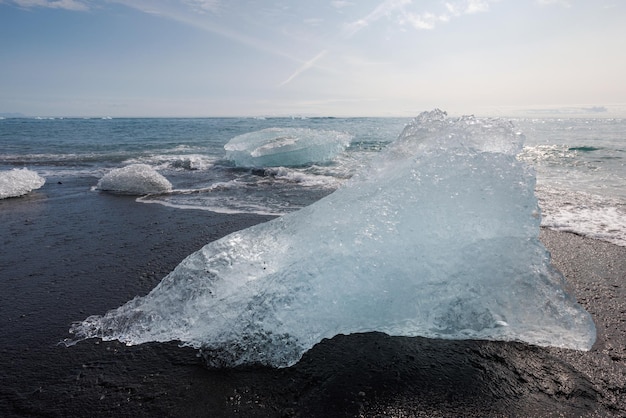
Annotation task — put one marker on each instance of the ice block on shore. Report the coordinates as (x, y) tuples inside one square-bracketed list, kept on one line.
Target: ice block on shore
[(438, 237)]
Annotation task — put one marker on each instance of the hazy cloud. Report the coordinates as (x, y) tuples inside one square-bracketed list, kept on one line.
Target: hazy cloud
[(595, 109), (564, 3), (476, 6), (197, 6), (205, 22), (459, 8), (313, 21), (383, 9), (338, 4), (567, 110), (428, 20), (405, 13), (424, 20), (52, 4), (203, 6)]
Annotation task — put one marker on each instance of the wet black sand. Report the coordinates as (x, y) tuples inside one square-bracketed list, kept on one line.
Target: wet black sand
[(67, 253)]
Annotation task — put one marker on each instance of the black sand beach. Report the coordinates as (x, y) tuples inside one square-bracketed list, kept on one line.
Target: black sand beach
[(68, 253)]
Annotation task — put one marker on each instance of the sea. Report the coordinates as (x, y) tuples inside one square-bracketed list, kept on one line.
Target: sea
[(580, 163)]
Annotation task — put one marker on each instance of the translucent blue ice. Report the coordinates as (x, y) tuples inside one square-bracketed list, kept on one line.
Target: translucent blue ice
[(286, 147), (438, 238)]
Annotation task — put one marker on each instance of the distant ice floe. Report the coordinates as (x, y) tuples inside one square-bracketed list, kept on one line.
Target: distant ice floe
[(18, 182), (438, 238), (134, 179), (287, 147)]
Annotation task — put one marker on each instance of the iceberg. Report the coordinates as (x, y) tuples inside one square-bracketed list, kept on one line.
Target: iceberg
[(437, 238), (134, 179), (286, 147), (18, 182)]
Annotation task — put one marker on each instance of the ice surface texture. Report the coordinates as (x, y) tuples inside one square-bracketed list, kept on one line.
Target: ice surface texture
[(287, 147), (134, 179), (438, 238), (18, 182)]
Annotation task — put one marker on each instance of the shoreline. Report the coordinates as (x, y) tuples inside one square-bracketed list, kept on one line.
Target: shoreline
[(68, 254)]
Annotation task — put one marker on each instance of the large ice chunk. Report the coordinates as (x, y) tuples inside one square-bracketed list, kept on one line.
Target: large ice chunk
[(438, 238), (287, 147), (18, 182), (134, 179)]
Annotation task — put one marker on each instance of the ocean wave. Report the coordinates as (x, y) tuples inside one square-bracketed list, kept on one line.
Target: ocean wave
[(549, 154), (266, 196), (176, 161), (65, 159), (583, 214), (304, 178)]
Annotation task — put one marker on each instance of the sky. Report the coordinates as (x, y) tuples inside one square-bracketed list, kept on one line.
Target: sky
[(197, 58)]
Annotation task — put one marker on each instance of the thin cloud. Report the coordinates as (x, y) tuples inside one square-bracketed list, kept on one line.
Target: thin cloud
[(52, 4), (313, 21), (383, 9), (310, 63), (339, 4), (405, 13), (563, 3), (429, 20), (203, 6), (476, 6), (423, 21), (203, 22)]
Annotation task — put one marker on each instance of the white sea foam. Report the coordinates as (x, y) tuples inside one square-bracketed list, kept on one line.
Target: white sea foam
[(548, 153), (584, 214), (438, 238), (176, 161), (271, 191), (303, 178), (18, 182), (230, 197), (217, 205), (135, 179)]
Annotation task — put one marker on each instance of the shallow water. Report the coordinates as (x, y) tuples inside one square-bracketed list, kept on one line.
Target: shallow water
[(579, 161)]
